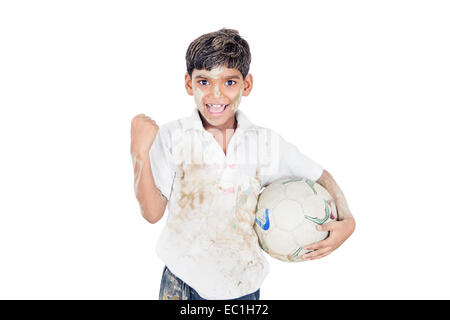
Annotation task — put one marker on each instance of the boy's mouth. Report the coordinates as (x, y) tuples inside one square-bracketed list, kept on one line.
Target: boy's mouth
[(216, 108)]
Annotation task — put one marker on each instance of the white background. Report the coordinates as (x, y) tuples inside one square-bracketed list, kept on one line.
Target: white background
[(362, 87)]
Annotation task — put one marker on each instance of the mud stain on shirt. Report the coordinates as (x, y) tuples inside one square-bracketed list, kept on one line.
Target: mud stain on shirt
[(210, 224), (194, 185)]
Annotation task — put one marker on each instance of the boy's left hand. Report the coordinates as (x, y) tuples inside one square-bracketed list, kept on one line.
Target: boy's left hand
[(339, 232)]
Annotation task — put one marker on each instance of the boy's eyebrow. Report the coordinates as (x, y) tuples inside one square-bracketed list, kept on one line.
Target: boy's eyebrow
[(226, 77), (233, 77)]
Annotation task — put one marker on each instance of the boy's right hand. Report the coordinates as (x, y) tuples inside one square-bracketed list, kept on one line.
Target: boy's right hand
[(143, 133)]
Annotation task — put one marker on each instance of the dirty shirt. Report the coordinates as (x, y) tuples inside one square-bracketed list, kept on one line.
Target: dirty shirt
[(208, 240)]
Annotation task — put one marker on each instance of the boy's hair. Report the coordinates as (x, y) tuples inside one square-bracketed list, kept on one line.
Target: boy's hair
[(224, 47)]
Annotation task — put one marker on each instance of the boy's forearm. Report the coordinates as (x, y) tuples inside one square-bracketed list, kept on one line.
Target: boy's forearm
[(327, 181), (150, 199)]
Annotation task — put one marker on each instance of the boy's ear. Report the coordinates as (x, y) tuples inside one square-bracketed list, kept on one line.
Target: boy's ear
[(188, 84), (248, 85)]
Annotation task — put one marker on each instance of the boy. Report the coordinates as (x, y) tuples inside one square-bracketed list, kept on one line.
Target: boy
[(209, 169)]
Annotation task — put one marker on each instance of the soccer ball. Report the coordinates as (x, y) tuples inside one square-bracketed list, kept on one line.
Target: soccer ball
[(287, 214)]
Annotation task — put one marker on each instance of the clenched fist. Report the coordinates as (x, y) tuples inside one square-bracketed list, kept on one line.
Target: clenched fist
[(143, 133)]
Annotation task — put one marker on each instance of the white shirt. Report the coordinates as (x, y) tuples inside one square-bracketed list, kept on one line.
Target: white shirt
[(208, 240)]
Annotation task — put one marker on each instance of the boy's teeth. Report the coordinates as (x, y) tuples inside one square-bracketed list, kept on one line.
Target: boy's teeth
[(216, 107)]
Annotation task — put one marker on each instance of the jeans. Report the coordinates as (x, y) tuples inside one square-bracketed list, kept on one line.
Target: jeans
[(173, 288)]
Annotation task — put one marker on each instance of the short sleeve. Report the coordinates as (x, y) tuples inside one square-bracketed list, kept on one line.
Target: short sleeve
[(286, 161), (161, 162)]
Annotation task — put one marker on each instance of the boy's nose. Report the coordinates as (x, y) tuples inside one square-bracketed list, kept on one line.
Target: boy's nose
[(217, 92)]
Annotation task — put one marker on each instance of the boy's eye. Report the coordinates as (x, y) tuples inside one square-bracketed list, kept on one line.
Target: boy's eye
[(228, 83)]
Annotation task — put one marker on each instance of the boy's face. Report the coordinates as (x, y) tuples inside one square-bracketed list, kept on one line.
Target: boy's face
[(217, 93)]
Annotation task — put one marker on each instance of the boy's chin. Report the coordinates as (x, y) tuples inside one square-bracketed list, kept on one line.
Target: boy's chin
[(214, 120)]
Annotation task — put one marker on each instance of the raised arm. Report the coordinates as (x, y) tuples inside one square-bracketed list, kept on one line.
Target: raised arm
[(150, 199)]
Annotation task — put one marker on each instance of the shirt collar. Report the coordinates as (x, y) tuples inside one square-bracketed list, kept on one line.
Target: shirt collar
[(195, 122)]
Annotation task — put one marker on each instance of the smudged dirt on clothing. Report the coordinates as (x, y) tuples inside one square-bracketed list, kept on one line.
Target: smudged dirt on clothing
[(195, 185), (212, 227)]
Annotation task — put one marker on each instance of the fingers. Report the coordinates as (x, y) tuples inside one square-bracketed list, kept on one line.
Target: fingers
[(143, 117), (332, 242), (140, 115), (317, 254), (319, 245)]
